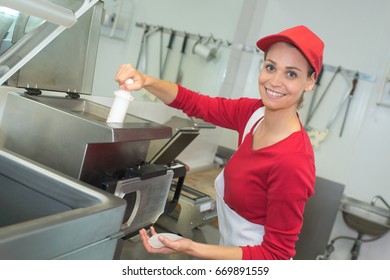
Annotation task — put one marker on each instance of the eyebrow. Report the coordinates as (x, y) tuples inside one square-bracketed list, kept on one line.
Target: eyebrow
[(288, 67)]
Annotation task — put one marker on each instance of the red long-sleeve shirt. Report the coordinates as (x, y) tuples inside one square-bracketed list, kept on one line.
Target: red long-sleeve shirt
[(269, 186)]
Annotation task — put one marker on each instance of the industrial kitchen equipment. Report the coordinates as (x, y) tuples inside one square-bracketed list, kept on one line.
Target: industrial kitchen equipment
[(46, 215), (69, 137), (187, 208)]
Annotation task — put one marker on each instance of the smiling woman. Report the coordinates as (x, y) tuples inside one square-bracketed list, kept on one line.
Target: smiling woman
[(262, 191)]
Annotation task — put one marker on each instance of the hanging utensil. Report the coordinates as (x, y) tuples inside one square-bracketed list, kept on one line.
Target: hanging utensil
[(179, 77), (311, 114), (141, 50), (351, 93), (208, 49), (169, 48), (161, 29), (318, 136)]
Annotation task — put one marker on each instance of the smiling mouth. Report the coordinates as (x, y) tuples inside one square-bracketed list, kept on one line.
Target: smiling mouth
[(274, 93)]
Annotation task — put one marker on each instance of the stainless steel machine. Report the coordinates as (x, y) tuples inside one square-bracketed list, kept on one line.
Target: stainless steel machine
[(46, 215), (68, 145), (187, 208), (62, 132), (71, 136)]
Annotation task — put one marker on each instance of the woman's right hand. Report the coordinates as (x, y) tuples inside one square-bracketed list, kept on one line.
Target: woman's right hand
[(164, 90), (126, 72)]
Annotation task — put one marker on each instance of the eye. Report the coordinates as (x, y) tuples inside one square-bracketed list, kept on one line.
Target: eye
[(269, 67), (291, 74)]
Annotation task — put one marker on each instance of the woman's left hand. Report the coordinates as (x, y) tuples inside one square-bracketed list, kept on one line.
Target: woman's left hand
[(170, 247)]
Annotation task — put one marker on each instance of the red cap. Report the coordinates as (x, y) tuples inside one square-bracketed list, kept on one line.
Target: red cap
[(301, 37)]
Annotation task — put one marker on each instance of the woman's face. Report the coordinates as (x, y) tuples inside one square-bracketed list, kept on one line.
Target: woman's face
[(284, 77)]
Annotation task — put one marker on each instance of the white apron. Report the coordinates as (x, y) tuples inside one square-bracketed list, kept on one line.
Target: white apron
[(234, 229)]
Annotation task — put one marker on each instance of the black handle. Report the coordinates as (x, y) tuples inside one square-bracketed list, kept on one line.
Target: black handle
[(146, 30), (173, 33), (183, 47), (354, 82)]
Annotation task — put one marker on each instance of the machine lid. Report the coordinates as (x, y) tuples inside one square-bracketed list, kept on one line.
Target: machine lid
[(27, 27)]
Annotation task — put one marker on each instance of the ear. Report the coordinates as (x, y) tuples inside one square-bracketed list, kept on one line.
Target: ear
[(310, 83)]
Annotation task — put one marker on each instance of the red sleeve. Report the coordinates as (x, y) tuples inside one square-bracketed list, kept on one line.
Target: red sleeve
[(291, 184)]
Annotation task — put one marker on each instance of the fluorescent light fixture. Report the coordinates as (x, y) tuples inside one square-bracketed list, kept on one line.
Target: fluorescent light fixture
[(43, 9), (8, 11)]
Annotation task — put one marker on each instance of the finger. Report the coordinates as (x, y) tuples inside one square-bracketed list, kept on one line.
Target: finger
[(153, 231), (143, 235), (136, 85), (119, 73), (124, 72), (165, 241)]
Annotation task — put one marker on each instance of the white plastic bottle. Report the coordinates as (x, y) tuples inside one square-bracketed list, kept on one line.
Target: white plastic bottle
[(120, 105)]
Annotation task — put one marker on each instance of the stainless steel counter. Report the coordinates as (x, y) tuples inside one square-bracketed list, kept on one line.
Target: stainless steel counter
[(72, 136), (45, 215)]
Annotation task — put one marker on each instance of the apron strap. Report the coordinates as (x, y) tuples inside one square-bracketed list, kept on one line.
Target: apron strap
[(257, 115)]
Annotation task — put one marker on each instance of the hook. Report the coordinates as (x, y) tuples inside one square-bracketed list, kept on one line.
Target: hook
[(200, 38)]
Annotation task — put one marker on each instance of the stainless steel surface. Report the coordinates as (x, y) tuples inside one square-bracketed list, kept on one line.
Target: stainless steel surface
[(72, 138), (206, 233), (380, 198), (172, 149), (184, 130), (44, 9), (193, 210), (148, 198), (6, 21), (364, 217), (68, 62), (24, 43), (71, 135), (45, 214)]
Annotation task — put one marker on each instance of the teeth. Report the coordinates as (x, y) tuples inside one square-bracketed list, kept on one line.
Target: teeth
[(274, 93)]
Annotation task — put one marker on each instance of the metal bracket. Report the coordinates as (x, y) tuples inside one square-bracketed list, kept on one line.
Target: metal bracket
[(33, 91), (350, 73)]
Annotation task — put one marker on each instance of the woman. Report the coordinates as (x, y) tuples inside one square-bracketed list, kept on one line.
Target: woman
[(262, 192)]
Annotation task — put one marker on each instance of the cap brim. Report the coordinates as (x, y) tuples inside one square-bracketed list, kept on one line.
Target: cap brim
[(265, 43)]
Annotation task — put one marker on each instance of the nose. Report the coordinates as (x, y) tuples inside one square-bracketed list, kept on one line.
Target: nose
[(276, 79)]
